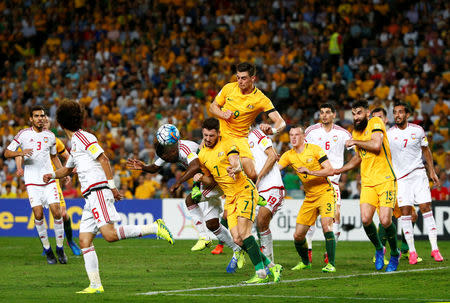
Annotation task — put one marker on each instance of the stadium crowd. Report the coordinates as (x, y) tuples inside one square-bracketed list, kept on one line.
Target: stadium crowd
[(136, 65)]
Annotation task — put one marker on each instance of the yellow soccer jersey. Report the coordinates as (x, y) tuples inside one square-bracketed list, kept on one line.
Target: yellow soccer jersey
[(311, 157), (245, 108), (216, 161), (60, 148), (375, 168)]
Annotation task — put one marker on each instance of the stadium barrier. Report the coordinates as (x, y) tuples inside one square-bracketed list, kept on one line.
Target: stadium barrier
[(16, 218)]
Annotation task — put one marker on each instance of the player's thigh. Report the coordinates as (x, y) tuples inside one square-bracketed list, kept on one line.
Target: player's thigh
[(36, 196), (263, 218), (246, 201), (230, 210), (211, 208), (101, 205), (387, 194), (51, 194), (369, 196), (308, 213), (326, 204), (422, 192), (405, 192), (274, 198)]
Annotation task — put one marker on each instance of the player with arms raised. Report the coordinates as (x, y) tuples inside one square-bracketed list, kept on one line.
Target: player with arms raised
[(237, 105), (38, 147), (378, 182), (408, 143), (331, 138), (99, 191)]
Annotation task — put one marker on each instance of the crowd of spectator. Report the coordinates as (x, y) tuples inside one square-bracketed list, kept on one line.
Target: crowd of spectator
[(138, 64)]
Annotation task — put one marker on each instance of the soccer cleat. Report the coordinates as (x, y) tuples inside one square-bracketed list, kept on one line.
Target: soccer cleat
[(329, 268), (310, 255), (231, 268), (90, 290), (196, 193), (163, 232), (405, 255), (262, 201), (386, 261), (51, 259), (217, 250), (412, 258), (393, 264), (275, 272), (256, 280), (437, 255), (325, 258), (379, 259), (240, 259), (301, 265), (201, 244), (74, 247), (62, 258)]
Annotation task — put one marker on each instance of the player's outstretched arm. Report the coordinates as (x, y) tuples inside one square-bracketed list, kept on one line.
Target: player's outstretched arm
[(429, 165), (327, 170), (279, 124), (19, 167), (136, 164), (217, 112), (373, 145), (104, 162), (11, 154), (354, 162), (205, 176), (193, 168), (58, 174), (272, 158)]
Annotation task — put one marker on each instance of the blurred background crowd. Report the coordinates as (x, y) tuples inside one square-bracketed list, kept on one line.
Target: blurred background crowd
[(138, 64)]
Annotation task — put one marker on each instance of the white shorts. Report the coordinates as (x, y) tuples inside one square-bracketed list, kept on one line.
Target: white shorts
[(274, 197), (99, 210), (43, 195), (211, 208), (413, 188)]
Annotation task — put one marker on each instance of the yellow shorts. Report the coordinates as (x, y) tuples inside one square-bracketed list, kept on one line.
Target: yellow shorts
[(381, 195), (242, 204), (318, 205), (62, 202), (243, 147)]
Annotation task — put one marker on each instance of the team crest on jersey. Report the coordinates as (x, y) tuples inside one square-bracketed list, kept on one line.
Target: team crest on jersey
[(46, 139), (31, 140), (229, 99), (413, 136), (335, 138), (250, 106), (221, 154), (251, 144)]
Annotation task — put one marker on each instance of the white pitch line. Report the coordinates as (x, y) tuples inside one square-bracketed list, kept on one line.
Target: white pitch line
[(151, 293), (307, 297)]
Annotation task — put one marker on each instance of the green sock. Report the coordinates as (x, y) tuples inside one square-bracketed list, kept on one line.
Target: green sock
[(382, 234), (404, 248), (196, 184), (371, 232), (391, 233), (68, 230), (266, 261), (330, 245), (302, 250), (252, 249)]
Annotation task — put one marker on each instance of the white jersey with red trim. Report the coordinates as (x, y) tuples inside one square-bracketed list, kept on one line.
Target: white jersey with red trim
[(332, 142), (187, 152), (39, 163), (259, 142), (83, 156), (406, 148)]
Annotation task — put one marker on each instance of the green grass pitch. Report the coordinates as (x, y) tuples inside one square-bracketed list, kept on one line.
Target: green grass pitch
[(132, 267)]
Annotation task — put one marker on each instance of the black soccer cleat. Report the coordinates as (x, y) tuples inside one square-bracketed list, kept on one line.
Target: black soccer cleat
[(51, 259), (62, 258)]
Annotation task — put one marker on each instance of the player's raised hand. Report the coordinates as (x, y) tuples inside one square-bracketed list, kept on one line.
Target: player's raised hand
[(46, 178), (19, 172), (303, 170), (266, 128), (174, 187), (197, 177), (135, 164), (27, 152), (231, 172), (336, 171), (349, 143), (226, 115), (117, 195)]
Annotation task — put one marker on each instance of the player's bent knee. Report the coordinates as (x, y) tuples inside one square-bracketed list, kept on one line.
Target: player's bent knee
[(299, 237), (213, 224), (425, 207), (386, 221), (366, 220)]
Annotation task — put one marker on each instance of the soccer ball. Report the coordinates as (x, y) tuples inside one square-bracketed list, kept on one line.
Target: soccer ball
[(167, 134)]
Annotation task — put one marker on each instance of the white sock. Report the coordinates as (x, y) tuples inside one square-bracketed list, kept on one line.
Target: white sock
[(42, 231), (309, 235), (428, 220), (197, 218), (267, 244), (224, 235), (406, 225), (59, 232), (336, 231), (134, 231), (91, 265)]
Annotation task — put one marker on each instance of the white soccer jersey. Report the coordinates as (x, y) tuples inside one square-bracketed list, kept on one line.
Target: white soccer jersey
[(259, 142), (39, 163), (187, 152), (406, 148), (332, 142), (83, 156)]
